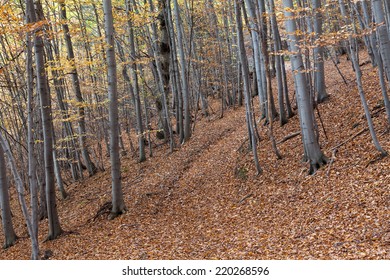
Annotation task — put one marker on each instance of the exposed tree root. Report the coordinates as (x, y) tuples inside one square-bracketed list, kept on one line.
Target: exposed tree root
[(10, 243), (315, 165), (376, 159), (53, 236), (104, 209)]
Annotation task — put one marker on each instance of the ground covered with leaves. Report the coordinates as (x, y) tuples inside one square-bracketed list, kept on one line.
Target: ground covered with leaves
[(205, 200)]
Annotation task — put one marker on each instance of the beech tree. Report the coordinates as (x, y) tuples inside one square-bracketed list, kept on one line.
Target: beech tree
[(247, 92), (135, 85), (45, 106), (319, 72), (65, 112), (186, 101), (118, 204), (313, 153), (353, 48), (6, 216), (76, 86)]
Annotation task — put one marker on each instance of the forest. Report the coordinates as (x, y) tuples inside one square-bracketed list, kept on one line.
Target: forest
[(194, 129)]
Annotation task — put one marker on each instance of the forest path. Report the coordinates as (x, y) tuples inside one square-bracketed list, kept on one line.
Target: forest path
[(185, 213), (204, 200)]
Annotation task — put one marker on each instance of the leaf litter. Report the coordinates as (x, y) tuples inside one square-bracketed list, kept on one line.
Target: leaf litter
[(205, 201)]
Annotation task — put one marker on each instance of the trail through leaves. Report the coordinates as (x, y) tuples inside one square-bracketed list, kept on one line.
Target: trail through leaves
[(204, 201)]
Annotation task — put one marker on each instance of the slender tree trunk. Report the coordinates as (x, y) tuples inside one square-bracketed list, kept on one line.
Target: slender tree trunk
[(255, 30), (186, 95), (134, 74), (118, 204), (6, 216), (161, 54), (245, 76), (319, 74), (278, 63), (20, 191), (311, 146), (377, 58), (354, 57), (46, 114), (32, 169), (265, 54), (76, 86), (382, 34)]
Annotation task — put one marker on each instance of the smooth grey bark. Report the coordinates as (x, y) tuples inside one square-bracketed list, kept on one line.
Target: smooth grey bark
[(47, 122), (358, 73), (184, 83), (382, 35), (57, 173), (76, 86), (319, 71), (290, 112), (51, 43), (6, 216), (262, 20), (134, 75), (229, 42), (379, 62), (364, 23), (102, 131), (265, 55), (118, 204), (245, 77), (311, 146), (278, 63), (58, 86), (255, 29), (387, 12), (21, 194)]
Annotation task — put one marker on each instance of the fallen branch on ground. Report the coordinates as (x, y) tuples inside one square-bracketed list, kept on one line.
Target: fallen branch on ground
[(331, 161), (349, 139), (288, 137), (240, 149), (245, 197)]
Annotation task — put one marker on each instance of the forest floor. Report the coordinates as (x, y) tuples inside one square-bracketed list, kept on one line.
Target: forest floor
[(205, 201)]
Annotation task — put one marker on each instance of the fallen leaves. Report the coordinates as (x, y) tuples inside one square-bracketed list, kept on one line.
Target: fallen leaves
[(204, 201)]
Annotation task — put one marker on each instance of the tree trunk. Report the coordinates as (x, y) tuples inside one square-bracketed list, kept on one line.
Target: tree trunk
[(32, 170), (311, 146), (319, 72), (76, 86), (278, 63), (245, 76), (46, 114), (354, 57), (6, 216), (186, 96), (118, 204), (20, 191), (382, 34), (377, 58), (134, 74)]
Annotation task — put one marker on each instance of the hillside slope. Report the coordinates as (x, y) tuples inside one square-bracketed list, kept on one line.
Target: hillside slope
[(204, 201)]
